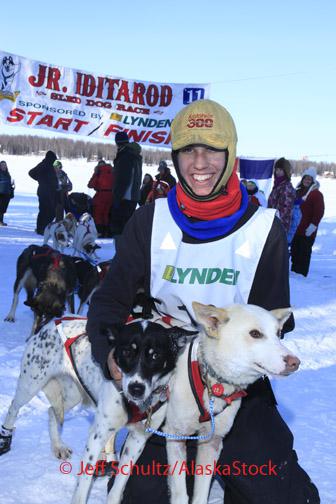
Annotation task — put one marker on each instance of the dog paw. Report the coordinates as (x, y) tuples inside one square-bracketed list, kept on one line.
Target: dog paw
[(5, 444), (9, 319), (62, 452)]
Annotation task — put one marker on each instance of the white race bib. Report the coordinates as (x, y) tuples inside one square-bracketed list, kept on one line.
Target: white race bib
[(220, 272)]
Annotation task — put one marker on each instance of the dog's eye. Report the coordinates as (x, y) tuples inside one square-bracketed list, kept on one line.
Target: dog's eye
[(153, 355), (256, 334)]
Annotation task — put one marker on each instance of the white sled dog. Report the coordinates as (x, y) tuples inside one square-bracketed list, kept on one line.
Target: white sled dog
[(237, 345)]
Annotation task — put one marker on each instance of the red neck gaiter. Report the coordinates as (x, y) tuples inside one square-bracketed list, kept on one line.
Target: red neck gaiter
[(222, 206)]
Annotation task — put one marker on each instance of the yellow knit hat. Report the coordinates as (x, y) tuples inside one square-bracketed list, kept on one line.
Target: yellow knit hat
[(205, 122)]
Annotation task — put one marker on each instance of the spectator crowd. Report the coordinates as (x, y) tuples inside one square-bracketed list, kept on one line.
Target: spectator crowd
[(119, 190)]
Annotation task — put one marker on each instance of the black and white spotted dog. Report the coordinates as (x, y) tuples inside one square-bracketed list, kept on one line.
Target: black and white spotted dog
[(8, 70), (86, 234), (146, 352)]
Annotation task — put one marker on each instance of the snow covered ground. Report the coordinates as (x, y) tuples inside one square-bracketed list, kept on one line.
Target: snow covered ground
[(29, 472)]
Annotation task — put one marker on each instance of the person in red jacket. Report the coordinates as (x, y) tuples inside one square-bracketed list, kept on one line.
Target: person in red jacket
[(102, 182), (160, 189), (256, 196), (312, 209)]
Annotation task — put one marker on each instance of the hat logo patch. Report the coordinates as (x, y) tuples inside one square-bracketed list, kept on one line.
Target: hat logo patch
[(200, 121)]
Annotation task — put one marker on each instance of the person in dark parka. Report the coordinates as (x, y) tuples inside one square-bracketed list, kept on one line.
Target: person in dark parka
[(44, 173), (6, 190), (126, 191)]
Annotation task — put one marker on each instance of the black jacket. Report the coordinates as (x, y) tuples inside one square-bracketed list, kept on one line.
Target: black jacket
[(46, 176), (128, 173), (130, 269), (5, 183)]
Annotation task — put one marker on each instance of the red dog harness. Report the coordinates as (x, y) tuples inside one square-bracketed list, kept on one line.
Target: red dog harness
[(55, 256), (133, 411), (198, 385), (68, 342)]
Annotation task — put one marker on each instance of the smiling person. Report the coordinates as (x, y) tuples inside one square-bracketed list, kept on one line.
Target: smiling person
[(216, 248)]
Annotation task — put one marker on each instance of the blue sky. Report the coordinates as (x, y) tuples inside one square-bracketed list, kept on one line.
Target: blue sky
[(271, 64)]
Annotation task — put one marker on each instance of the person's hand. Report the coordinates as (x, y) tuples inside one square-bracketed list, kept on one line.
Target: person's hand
[(310, 229), (113, 367)]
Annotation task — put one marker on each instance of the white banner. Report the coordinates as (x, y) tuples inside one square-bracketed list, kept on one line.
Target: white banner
[(64, 100)]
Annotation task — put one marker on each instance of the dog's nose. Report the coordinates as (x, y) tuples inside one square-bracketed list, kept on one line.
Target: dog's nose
[(136, 389), (292, 363)]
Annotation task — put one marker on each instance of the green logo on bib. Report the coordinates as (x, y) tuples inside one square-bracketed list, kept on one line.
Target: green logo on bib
[(200, 275)]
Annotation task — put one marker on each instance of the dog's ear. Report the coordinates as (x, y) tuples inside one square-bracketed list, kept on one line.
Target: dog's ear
[(180, 337), (282, 314), (210, 318)]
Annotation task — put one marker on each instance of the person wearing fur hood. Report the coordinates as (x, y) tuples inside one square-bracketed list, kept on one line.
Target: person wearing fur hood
[(312, 208), (282, 196)]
